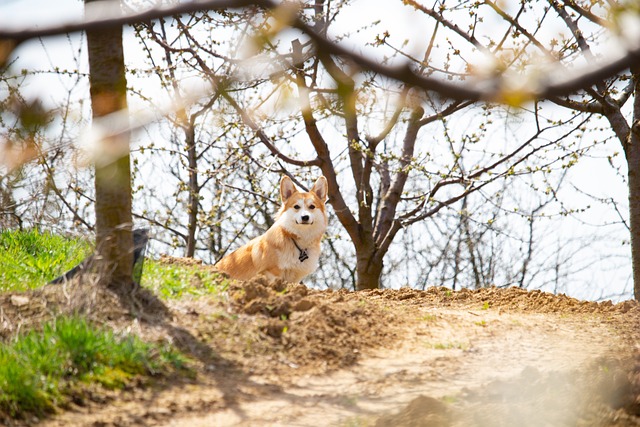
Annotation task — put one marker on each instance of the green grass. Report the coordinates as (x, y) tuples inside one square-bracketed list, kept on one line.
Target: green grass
[(450, 346), (29, 259), (39, 369), (429, 318), (173, 281)]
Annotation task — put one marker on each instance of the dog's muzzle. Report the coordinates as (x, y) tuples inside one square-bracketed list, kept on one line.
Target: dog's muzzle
[(305, 219)]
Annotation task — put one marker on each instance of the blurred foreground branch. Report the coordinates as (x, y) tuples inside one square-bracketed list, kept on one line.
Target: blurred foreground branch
[(555, 81)]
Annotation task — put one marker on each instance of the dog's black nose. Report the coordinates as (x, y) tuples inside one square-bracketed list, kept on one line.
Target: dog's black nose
[(305, 218)]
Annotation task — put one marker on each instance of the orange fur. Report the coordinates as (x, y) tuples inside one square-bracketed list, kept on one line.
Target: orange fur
[(301, 221)]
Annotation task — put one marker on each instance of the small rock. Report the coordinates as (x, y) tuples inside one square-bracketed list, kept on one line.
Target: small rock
[(303, 305), (19, 300)]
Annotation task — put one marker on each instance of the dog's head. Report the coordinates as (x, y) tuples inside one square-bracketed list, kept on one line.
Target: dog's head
[(303, 209)]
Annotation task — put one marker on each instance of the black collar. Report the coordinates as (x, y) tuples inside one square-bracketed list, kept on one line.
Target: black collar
[(303, 252)]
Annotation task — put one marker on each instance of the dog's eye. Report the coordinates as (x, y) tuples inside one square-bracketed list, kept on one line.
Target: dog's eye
[(296, 207), (312, 207)]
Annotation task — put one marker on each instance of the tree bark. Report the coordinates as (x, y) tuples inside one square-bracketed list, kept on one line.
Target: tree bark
[(633, 161), (194, 189), (114, 240), (369, 268), (632, 154), (629, 137)]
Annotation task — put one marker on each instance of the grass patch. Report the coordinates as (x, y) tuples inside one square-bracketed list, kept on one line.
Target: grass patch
[(429, 318), (39, 369), (29, 259), (173, 281), (450, 346)]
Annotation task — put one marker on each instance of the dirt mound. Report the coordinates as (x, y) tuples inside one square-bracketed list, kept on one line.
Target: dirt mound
[(315, 329), (276, 299), (512, 299), (172, 260), (27, 310)]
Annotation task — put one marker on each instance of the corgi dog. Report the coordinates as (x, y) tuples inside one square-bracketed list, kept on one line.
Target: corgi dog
[(290, 248)]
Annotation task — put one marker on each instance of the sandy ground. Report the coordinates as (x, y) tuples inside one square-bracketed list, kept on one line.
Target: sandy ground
[(276, 354), (458, 353)]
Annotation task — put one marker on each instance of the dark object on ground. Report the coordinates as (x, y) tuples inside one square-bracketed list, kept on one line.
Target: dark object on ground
[(140, 240)]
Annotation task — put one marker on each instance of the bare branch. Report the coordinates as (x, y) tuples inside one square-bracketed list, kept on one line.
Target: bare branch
[(99, 18), (552, 84), (453, 27), (520, 28), (586, 13)]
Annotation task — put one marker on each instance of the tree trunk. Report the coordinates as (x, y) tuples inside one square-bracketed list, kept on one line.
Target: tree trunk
[(114, 240), (633, 161), (368, 269), (632, 154), (194, 189)]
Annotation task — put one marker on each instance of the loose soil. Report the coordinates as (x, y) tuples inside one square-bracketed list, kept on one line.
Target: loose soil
[(278, 354)]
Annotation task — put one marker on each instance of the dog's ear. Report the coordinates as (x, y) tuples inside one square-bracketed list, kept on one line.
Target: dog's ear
[(321, 188), (287, 188)]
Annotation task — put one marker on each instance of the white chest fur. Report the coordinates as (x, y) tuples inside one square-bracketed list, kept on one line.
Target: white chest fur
[(294, 259)]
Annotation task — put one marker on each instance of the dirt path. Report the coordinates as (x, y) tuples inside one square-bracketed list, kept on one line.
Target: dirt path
[(275, 354), (449, 353)]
